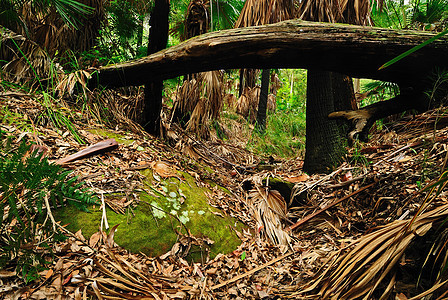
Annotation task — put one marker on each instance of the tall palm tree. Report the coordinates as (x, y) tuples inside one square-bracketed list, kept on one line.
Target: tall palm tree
[(261, 12), (327, 91), (200, 97)]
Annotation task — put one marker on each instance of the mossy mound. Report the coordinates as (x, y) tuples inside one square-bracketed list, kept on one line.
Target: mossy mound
[(150, 227)]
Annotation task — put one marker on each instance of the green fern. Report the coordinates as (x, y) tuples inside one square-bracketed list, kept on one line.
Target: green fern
[(27, 180)]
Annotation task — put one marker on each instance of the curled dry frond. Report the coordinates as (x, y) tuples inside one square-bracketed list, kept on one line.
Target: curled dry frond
[(202, 97), (197, 19), (247, 104), (48, 29), (359, 272), (269, 209), (68, 82)]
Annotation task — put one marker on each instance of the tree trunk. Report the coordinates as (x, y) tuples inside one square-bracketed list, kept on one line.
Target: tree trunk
[(324, 148), (158, 38), (263, 101), (344, 98), (353, 50)]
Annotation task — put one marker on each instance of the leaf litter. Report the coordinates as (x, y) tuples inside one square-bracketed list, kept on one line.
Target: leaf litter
[(355, 224)]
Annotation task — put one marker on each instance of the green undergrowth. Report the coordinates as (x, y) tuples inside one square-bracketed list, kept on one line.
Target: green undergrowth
[(175, 205), (284, 136), (30, 187)]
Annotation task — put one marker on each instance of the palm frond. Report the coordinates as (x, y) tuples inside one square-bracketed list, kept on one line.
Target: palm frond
[(197, 20), (338, 11), (26, 61), (269, 209), (208, 105), (64, 25), (360, 272), (257, 12)]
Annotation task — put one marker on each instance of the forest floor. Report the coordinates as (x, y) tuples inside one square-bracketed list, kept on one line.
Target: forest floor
[(380, 182)]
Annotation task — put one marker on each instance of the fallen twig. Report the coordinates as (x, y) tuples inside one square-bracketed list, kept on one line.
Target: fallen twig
[(250, 272), (309, 217)]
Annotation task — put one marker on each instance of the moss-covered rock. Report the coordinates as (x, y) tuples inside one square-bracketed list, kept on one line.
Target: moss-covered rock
[(150, 227)]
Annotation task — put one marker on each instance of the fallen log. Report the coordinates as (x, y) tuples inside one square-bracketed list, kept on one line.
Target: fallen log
[(353, 50)]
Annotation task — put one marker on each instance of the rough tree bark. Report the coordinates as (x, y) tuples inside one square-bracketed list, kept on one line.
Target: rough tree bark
[(263, 101), (158, 38), (317, 136), (353, 50)]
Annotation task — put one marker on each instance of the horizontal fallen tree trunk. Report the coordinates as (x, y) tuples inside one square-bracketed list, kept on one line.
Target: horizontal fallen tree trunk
[(352, 50)]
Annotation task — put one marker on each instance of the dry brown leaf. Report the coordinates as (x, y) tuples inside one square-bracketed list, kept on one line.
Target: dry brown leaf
[(295, 179), (401, 296), (110, 237), (164, 169), (93, 241)]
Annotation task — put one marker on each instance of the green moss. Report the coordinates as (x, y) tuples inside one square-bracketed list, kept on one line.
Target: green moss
[(111, 135), (151, 230)]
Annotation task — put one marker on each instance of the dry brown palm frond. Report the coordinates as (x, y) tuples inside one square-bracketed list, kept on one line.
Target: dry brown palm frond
[(212, 87), (247, 104), (68, 82), (27, 61), (48, 29), (187, 97), (275, 84), (336, 11), (230, 101), (208, 106), (269, 209), (257, 12), (375, 256), (198, 120), (197, 20)]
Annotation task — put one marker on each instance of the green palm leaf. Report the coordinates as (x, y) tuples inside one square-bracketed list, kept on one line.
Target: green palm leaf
[(410, 51)]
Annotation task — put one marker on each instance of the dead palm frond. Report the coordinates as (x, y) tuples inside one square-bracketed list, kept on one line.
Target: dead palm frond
[(69, 81), (269, 209), (47, 28), (208, 89), (198, 19), (336, 11), (27, 61), (256, 12), (375, 256), (247, 104)]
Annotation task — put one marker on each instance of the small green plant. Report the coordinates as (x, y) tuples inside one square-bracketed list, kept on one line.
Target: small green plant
[(59, 119), (29, 188), (357, 157), (284, 135)]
